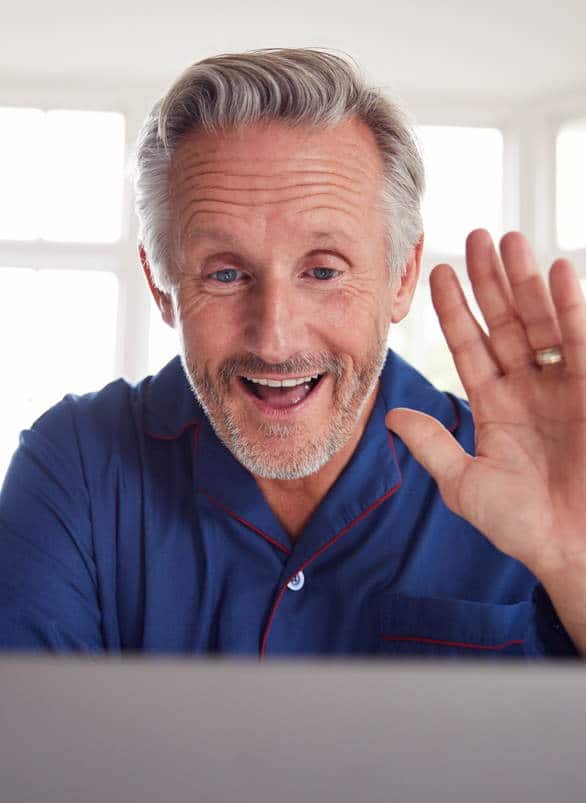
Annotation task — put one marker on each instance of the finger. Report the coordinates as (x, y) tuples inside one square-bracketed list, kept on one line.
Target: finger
[(508, 338), (568, 299), (466, 340), (434, 447), (532, 298)]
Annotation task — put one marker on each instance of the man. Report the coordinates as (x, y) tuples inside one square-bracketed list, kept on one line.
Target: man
[(279, 494)]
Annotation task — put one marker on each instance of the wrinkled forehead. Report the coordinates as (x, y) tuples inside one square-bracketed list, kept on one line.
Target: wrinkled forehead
[(273, 177), (272, 150)]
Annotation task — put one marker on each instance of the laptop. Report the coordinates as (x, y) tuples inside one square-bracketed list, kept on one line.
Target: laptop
[(154, 730)]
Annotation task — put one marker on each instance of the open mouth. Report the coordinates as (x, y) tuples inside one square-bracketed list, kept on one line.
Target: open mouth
[(280, 393)]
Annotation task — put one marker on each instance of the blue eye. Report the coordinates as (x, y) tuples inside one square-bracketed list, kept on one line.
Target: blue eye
[(226, 276), (323, 274)]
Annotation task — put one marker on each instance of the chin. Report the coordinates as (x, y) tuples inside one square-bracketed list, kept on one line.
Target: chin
[(263, 462), (284, 452)]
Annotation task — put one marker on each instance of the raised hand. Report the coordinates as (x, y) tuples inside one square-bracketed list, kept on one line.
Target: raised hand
[(525, 488)]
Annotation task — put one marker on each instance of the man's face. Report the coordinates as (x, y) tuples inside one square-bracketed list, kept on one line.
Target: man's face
[(280, 277)]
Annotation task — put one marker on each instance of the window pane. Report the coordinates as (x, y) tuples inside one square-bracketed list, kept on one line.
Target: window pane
[(83, 177), (20, 163), (571, 185), (61, 325), (163, 343), (62, 175), (464, 176)]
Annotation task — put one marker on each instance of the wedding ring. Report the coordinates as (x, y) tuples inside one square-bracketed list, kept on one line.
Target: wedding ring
[(550, 356)]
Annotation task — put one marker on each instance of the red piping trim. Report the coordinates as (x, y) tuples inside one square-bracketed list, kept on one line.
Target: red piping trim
[(172, 437), (231, 513), (453, 643), (246, 523), (328, 544)]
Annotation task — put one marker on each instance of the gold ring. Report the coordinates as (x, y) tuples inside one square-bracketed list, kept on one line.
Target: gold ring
[(549, 356)]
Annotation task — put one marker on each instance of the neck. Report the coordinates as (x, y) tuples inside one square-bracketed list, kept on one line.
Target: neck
[(294, 501)]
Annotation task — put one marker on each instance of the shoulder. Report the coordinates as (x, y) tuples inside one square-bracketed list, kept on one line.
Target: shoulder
[(108, 409), (113, 419)]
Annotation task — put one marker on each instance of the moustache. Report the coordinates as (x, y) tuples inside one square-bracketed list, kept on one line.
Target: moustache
[(301, 364)]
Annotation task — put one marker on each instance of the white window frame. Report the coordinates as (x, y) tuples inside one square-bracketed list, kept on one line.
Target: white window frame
[(529, 133), (120, 257)]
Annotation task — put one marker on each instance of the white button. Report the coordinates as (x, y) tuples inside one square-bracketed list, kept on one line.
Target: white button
[(297, 582)]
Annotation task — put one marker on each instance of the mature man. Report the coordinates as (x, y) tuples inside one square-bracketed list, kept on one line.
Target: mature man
[(264, 499)]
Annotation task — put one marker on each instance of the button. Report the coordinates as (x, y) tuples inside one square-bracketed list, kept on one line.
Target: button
[(297, 582)]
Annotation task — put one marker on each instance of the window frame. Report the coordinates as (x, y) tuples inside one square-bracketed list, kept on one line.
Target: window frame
[(120, 257), (563, 111)]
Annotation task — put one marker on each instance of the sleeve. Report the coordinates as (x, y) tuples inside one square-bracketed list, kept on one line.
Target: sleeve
[(48, 579), (546, 636)]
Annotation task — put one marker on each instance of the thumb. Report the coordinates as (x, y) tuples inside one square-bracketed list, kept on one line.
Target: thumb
[(434, 447)]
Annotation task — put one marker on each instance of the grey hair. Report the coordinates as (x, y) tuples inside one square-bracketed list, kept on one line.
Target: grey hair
[(302, 86)]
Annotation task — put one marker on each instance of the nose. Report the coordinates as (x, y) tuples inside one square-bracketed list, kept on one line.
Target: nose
[(274, 321)]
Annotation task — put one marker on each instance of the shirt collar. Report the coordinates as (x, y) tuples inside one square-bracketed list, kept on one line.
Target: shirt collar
[(169, 405), (372, 474)]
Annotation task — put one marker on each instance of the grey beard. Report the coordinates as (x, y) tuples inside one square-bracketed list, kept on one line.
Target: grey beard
[(308, 458)]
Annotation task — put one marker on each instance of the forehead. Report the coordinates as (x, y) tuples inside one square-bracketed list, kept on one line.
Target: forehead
[(270, 172), (274, 144)]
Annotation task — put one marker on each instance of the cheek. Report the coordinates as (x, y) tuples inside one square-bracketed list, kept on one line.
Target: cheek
[(206, 331), (354, 316)]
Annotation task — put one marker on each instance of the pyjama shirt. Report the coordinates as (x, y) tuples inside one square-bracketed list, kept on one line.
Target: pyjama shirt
[(126, 526)]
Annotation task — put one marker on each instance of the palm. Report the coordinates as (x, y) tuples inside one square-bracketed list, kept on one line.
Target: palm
[(526, 487)]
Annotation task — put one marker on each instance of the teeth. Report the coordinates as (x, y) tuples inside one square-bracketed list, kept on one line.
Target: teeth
[(281, 383)]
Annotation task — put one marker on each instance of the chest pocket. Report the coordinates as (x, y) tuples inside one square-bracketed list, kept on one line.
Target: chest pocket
[(451, 628)]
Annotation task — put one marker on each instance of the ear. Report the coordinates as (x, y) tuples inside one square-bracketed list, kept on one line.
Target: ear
[(163, 300), (404, 286)]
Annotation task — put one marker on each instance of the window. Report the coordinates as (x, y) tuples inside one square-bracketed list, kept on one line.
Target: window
[(20, 166), (61, 200), (62, 174), (464, 191), (464, 177), (571, 185)]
